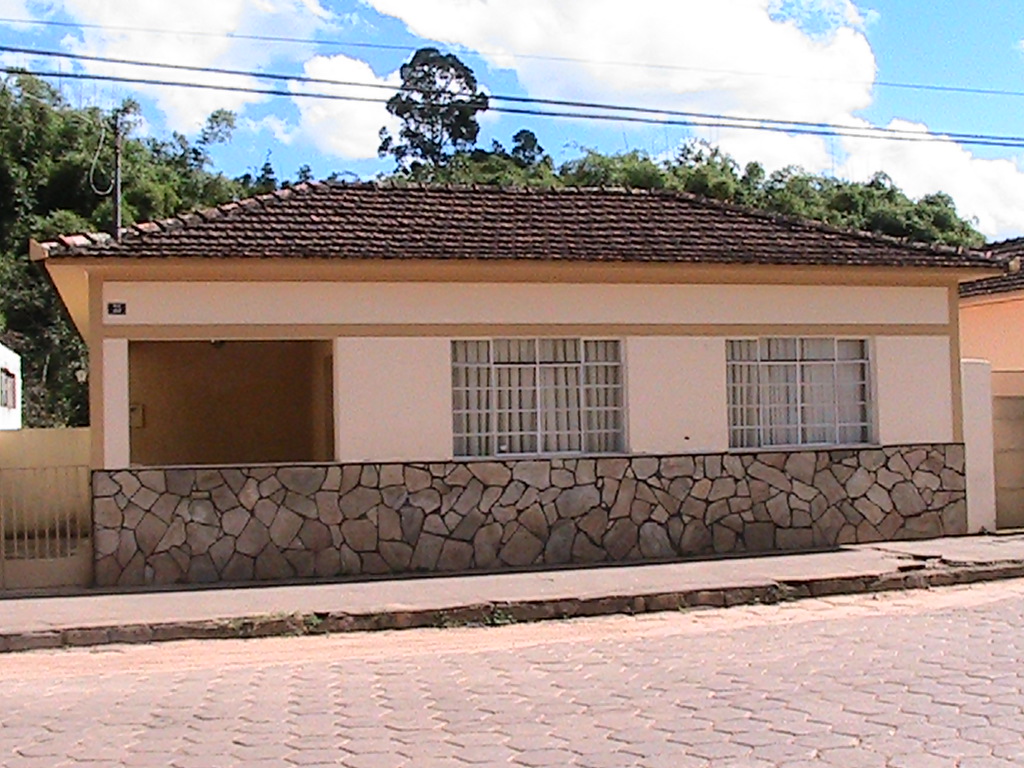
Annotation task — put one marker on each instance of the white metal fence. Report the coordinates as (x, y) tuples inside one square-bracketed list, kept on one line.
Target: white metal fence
[(45, 508)]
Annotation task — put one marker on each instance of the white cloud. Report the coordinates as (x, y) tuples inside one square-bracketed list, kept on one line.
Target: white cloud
[(345, 128), (186, 109), (708, 56), (16, 9), (278, 128), (750, 58), (807, 60)]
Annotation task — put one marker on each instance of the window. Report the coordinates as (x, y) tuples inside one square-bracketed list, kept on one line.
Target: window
[(789, 391), (530, 396), (8, 389)]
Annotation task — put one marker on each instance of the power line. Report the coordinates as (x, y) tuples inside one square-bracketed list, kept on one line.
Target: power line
[(720, 121), (934, 87), (789, 126)]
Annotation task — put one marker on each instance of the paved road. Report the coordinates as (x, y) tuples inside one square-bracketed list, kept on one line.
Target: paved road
[(904, 679)]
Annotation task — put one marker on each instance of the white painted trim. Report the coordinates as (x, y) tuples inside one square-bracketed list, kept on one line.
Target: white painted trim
[(979, 446)]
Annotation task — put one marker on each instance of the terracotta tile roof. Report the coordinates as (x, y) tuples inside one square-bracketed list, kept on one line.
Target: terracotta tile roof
[(373, 221), (1011, 251)]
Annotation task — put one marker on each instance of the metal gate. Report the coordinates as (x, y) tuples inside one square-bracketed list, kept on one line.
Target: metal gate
[(45, 509)]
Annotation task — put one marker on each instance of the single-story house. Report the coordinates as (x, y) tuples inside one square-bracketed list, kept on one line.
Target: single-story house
[(992, 328), (361, 379), (10, 389)]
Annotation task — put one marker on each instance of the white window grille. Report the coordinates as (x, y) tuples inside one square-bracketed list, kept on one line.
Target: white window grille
[(8, 389), (798, 391), (534, 396)]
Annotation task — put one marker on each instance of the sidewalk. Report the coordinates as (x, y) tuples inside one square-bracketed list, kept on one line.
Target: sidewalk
[(95, 618)]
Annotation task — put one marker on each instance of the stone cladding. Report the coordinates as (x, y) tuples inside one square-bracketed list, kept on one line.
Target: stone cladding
[(166, 526)]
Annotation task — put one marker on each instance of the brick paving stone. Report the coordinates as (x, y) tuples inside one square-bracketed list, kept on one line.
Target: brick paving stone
[(920, 760), (925, 679)]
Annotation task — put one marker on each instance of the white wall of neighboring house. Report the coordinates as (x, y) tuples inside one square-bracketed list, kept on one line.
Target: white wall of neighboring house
[(10, 373)]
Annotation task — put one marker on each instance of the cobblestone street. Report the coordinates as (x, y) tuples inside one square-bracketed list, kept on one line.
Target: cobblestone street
[(899, 679)]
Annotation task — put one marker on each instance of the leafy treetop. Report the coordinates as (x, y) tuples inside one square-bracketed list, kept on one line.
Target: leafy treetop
[(437, 102)]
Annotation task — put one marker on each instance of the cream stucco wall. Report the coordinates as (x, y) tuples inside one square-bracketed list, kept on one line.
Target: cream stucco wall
[(305, 303), (116, 420), (10, 418), (676, 394), (913, 389), (393, 399), (391, 362), (980, 446)]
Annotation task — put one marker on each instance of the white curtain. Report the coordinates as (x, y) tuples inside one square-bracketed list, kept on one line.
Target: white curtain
[(522, 396)]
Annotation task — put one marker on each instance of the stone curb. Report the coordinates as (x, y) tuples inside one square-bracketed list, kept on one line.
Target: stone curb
[(917, 576)]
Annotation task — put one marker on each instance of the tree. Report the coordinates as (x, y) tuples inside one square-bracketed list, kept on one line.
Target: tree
[(437, 102), (53, 160), (526, 149)]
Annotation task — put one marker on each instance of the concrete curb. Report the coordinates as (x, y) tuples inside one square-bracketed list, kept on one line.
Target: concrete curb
[(916, 575)]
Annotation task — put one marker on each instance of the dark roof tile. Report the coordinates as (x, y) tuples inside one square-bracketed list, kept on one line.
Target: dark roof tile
[(1010, 251), (400, 221)]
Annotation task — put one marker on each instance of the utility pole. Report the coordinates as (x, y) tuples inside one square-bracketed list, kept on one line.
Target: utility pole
[(117, 176)]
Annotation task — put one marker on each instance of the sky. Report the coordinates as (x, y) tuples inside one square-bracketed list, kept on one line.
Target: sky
[(846, 62)]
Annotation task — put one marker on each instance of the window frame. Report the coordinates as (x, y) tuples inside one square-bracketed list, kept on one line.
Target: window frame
[(870, 423), (491, 436), (8, 389)]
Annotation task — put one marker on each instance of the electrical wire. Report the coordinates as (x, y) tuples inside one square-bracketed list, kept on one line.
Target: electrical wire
[(492, 97), (95, 159), (723, 121), (935, 87)]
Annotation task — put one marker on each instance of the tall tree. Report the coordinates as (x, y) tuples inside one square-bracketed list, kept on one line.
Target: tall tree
[(437, 102)]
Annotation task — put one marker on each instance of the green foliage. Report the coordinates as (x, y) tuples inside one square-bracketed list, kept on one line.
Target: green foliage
[(437, 103), (51, 157)]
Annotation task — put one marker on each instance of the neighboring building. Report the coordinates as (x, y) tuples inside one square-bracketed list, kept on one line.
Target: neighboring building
[(360, 379), (10, 389), (992, 328)]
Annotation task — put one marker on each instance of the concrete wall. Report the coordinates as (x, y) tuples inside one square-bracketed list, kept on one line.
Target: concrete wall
[(1008, 429), (393, 399), (268, 401), (676, 394), (10, 418), (913, 389), (295, 303), (391, 355), (45, 508), (394, 395), (991, 329)]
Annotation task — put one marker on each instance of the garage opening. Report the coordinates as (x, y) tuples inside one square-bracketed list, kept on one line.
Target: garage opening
[(231, 402)]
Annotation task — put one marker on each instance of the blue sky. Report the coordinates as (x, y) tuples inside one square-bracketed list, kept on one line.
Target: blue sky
[(812, 60)]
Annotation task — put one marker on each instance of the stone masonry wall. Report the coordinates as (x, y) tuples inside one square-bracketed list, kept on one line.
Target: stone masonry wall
[(164, 526)]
